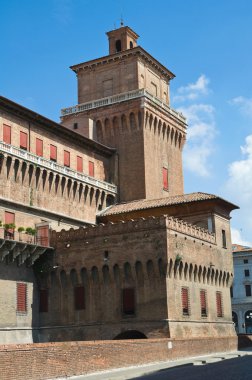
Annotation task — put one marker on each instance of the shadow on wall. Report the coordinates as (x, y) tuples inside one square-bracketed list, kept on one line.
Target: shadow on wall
[(19, 303), (244, 341), (130, 334)]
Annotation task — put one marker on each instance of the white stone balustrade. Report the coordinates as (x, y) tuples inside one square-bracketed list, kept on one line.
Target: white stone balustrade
[(43, 162), (121, 98)]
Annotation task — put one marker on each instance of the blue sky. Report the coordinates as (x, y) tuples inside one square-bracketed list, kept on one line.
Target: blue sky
[(206, 43)]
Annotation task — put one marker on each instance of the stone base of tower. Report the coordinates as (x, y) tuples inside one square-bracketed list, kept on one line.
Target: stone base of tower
[(198, 329)]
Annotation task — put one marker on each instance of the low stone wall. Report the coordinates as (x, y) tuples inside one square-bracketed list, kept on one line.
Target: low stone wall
[(52, 360)]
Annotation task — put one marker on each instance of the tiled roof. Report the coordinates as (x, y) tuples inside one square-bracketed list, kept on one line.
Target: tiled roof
[(236, 248), (143, 204)]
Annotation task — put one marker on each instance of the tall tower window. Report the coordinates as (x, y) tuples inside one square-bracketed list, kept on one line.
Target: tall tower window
[(185, 301), (131, 45), (21, 297), (165, 178), (128, 301), (224, 241), (118, 45), (219, 304)]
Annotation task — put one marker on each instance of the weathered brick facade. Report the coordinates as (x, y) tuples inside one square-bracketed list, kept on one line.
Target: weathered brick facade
[(129, 255)]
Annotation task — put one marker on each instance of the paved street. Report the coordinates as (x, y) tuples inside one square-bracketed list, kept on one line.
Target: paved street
[(232, 369), (224, 366)]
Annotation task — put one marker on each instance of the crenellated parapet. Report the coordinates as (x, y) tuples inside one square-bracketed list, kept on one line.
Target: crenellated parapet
[(185, 228), (151, 223)]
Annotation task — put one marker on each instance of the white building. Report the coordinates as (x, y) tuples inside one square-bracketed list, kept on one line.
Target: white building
[(241, 291)]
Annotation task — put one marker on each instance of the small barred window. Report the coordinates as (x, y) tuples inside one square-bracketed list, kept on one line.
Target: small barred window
[(185, 301), (219, 304)]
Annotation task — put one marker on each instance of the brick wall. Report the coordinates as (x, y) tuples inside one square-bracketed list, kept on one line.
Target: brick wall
[(51, 360)]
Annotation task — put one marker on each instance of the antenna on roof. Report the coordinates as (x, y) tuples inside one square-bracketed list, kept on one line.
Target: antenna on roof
[(122, 21)]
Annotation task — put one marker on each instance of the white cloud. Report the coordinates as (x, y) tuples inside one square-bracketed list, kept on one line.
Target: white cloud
[(193, 90), (244, 104), (236, 238), (200, 137), (239, 188), (240, 174)]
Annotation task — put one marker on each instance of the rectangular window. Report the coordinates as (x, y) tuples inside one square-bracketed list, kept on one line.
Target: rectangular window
[(79, 164), (39, 147), (23, 140), (53, 153), (224, 241), (107, 87), (43, 300), (248, 290), (9, 218), (128, 301), (246, 272), (6, 134), (203, 305), (165, 179), (21, 297), (91, 169), (42, 235), (79, 298), (231, 292), (245, 261), (66, 158), (219, 304), (185, 301)]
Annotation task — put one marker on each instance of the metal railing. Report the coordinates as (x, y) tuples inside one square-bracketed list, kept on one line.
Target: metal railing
[(121, 98), (43, 162)]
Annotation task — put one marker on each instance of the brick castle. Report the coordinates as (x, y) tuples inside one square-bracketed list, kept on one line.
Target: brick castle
[(113, 248)]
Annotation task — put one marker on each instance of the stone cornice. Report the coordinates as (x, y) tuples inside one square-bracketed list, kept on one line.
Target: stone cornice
[(137, 51)]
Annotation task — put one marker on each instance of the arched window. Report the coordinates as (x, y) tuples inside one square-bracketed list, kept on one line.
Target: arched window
[(118, 46), (235, 320), (248, 321), (131, 45)]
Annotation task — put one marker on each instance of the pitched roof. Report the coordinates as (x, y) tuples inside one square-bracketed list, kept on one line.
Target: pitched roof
[(237, 248), (54, 127), (144, 204)]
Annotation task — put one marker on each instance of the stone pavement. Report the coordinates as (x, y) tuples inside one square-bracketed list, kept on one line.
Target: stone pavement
[(139, 371)]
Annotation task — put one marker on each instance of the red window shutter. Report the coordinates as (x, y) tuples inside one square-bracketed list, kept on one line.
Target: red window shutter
[(39, 147), (165, 178), (43, 300), (79, 164), (185, 301), (23, 140), (66, 158), (128, 301), (91, 169), (7, 134), (53, 153), (203, 303), (219, 304), (9, 217), (43, 235), (79, 298), (21, 297)]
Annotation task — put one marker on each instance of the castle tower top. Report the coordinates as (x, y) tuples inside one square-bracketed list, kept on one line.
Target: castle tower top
[(121, 39)]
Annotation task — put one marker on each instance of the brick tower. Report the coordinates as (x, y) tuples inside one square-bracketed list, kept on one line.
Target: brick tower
[(123, 102)]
